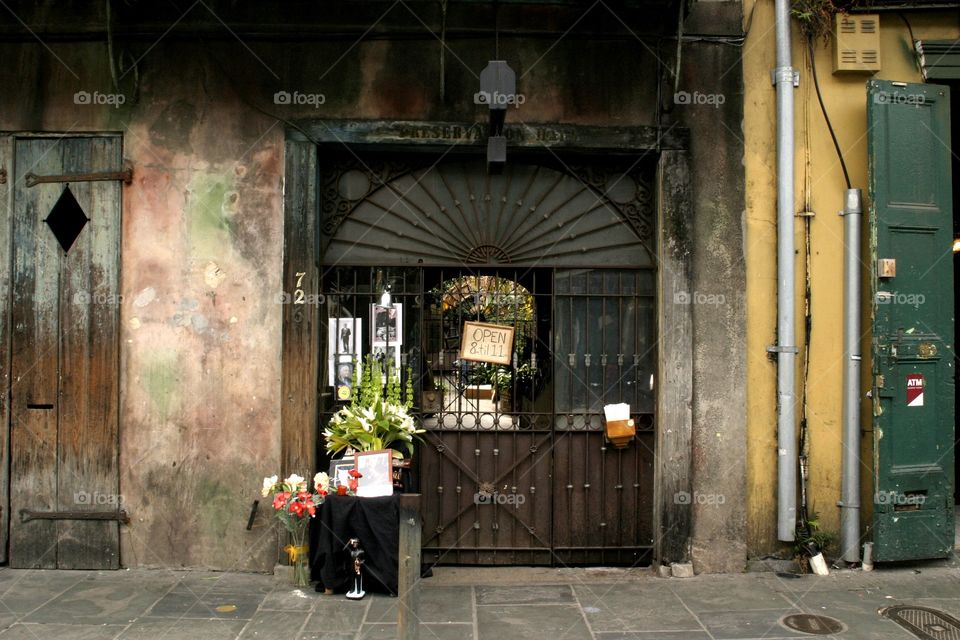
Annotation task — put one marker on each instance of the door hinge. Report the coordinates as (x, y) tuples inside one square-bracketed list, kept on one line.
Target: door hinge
[(125, 174), (120, 516)]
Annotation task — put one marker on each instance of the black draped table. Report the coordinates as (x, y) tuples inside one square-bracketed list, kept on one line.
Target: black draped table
[(376, 522)]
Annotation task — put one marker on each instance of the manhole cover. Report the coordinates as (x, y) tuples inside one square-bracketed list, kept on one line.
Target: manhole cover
[(924, 622), (813, 624)]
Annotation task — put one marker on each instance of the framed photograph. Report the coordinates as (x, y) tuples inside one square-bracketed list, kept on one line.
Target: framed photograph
[(339, 470), (387, 325), (344, 381), (376, 468), (380, 352), (344, 338)]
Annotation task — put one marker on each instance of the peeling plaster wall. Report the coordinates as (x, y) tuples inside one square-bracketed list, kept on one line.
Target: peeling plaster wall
[(202, 243), (201, 258), (718, 284)]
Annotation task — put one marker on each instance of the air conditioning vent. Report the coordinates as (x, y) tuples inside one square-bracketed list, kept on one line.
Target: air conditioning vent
[(856, 43)]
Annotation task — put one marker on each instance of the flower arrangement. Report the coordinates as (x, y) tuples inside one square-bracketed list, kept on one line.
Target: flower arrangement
[(378, 417), (294, 505)]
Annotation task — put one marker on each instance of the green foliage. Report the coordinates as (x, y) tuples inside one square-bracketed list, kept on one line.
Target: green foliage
[(825, 540), (378, 417), (815, 17), (490, 299)]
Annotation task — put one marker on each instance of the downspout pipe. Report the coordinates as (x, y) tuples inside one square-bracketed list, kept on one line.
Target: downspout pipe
[(850, 482), (786, 348)]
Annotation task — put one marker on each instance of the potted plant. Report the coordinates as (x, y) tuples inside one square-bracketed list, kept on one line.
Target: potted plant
[(378, 416), (502, 380)]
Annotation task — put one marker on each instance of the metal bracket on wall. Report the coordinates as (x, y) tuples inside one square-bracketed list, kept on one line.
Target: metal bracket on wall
[(120, 516), (778, 349), (125, 174), (795, 75)]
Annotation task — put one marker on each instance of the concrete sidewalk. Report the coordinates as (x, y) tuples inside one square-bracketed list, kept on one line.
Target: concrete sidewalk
[(460, 604)]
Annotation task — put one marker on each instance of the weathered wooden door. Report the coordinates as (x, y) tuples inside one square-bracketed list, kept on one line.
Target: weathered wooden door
[(64, 360), (911, 222)]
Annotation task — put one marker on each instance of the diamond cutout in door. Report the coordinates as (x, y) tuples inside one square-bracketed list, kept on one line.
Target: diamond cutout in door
[(67, 219)]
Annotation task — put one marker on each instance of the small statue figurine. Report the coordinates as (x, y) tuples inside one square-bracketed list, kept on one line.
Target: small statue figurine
[(356, 553)]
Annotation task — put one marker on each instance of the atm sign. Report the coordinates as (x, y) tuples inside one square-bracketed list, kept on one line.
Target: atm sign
[(915, 390)]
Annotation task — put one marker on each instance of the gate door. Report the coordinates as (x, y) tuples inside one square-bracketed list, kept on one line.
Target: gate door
[(911, 222), (64, 367), (514, 468), (604, 353)]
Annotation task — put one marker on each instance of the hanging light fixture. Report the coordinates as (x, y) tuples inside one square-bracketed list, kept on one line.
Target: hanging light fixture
[(498, 90)]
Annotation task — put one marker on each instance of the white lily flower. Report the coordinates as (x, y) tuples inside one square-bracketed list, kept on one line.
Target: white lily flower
[(268, 485), (321, 481), (295, 482)]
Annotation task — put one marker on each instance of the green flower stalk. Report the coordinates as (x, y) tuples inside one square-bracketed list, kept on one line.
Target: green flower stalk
[(378, 417)]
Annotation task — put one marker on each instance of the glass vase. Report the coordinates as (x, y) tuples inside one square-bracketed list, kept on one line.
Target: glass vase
[(301, 571), (298, 554)]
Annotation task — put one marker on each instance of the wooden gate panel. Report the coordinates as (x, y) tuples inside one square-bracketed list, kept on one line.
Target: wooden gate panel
[(34, 393), (89, 314), (489, 497), (6, 232), (602, 499)]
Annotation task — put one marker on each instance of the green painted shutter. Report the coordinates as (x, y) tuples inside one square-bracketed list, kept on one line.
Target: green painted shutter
[(911, 229)]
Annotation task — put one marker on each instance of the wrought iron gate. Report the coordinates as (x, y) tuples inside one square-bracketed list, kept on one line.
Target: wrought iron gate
[(514, 467)]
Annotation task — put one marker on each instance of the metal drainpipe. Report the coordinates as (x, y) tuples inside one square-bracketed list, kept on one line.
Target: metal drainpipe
[(850, 484), (786, 348)]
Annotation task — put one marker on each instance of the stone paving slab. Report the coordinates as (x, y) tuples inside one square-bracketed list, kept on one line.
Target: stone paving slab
[(153, 629), (220, 605), (437, 605), (273, 624), (498, 605), (634, 608), (337, 614), (29, 590), (26, 631), (739, 625), (457, 631), (96, 602), (537, 594), (531, 622), (653, 635)]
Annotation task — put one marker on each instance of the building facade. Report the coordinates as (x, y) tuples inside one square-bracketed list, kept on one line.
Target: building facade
[(203, 207)]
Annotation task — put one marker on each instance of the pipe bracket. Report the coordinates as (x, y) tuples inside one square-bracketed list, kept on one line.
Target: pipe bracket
[(844, 505), (786, 74), (775, 348)]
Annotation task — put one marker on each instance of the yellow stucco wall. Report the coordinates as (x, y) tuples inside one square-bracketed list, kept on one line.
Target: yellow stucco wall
[(819, 188)]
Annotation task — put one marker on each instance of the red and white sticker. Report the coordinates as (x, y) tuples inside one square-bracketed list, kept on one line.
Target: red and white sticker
[(914, 389)]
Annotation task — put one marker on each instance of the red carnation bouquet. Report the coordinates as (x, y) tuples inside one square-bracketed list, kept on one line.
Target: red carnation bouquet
[(294, 506)]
